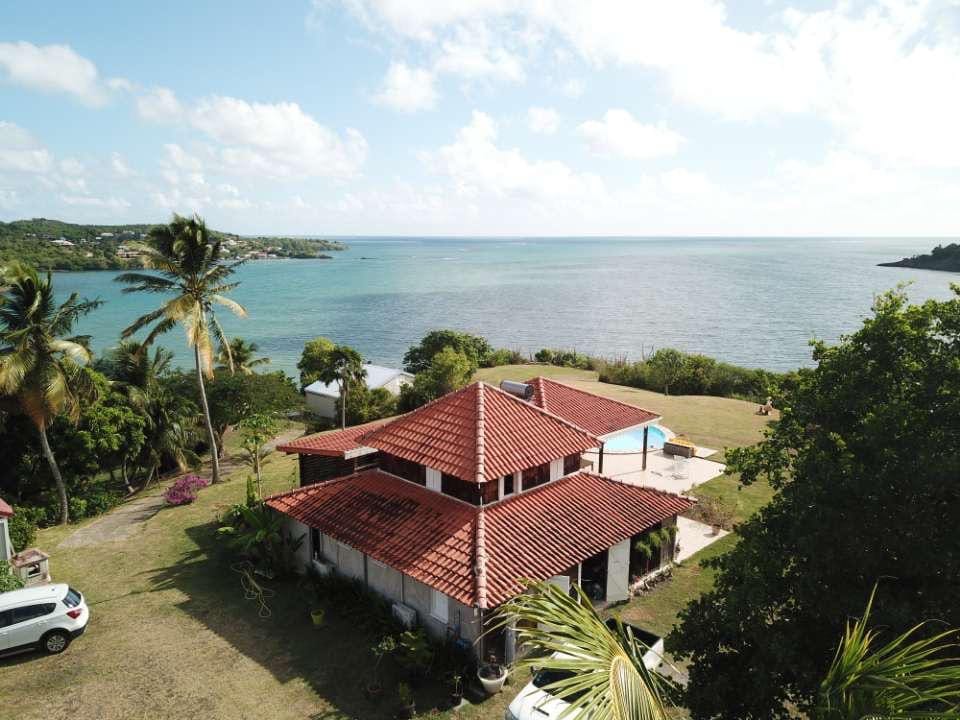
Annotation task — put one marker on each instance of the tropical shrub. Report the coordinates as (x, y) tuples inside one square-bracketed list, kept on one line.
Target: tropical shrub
[(257, 532), (23, 526), (564, 358), (503, 356), (420, 357), (184, 490), (8, 581)]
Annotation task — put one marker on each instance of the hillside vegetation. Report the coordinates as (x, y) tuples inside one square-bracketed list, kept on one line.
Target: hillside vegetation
[(56, 245), (942, 257)]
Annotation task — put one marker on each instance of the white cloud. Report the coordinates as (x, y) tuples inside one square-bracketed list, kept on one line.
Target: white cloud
[(119, 165), (109, 203), (177, 157), (71, 166), (472, 53), (278, 139), (544, 121), (619, 133), (880, 74), (20, 151), (573, 88), (55, 68), (160, 105), (407, 89), (477, 166)]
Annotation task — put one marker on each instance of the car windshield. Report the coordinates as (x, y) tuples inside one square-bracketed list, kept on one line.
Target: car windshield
[(72, 598), (547, 677)]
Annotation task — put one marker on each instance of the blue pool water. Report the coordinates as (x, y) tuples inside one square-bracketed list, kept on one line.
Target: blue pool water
[(632, 441)]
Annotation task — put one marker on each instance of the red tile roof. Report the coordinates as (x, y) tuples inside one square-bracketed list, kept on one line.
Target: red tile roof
[(594, 413), (5, 510), (541, 533), (480, 433), (334, 443), (419, 532), (479, 555)]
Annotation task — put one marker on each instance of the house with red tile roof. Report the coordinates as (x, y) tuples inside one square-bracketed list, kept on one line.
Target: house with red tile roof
[(445, 510)]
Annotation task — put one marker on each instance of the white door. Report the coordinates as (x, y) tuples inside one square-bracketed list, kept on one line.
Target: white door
[(434, 480), (618, 572)]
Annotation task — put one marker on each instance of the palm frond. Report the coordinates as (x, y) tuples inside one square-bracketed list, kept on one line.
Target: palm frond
[(910, 673), (232, 305), (603, 677)]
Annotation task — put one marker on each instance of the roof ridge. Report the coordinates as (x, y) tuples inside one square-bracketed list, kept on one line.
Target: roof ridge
[(480, 435), (480, 568), (541, 379), (648, 488), (549, 414)]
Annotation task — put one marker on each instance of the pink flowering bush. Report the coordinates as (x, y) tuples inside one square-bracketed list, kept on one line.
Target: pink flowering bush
[(184, 490)]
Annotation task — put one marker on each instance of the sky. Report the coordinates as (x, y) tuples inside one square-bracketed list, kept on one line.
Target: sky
[(486, 117)]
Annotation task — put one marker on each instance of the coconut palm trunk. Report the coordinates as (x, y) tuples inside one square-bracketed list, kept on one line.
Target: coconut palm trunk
[(343, 404), (214, 455), (57, 477)]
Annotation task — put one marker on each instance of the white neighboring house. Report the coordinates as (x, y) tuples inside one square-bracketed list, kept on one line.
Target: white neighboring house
[(6, 547), (321, 398)]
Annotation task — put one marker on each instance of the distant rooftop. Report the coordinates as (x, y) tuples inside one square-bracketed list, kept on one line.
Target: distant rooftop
[(377, 376)]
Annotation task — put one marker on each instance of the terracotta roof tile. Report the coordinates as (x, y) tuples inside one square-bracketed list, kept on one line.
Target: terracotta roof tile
[(479, 555), (5, 510), (334, 443), (421, 533), (480, 433), (594, 413)]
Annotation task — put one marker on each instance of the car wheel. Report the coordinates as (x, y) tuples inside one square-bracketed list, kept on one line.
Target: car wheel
[(55, 641)]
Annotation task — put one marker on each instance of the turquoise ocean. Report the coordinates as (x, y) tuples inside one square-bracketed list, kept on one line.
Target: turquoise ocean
[(756, 302)]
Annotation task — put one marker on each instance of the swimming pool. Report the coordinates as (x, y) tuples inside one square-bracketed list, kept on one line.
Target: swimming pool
[(632, 440)]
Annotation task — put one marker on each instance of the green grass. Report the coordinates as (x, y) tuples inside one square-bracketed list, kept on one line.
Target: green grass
[(171, 635)]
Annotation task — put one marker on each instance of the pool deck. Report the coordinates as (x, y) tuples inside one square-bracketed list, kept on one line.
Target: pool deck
[(664, 472)]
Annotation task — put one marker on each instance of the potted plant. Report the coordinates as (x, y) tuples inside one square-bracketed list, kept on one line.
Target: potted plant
[(492, 675), (383, 648), (456, 690), (317, 616), (408, 707)]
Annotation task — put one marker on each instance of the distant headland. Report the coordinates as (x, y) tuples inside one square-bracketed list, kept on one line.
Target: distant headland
[(943, 257), (57, 245)]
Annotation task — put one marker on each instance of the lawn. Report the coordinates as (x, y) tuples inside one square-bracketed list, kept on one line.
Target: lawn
[(171, 635)]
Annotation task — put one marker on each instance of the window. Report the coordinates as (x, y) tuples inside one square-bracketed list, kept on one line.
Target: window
[(433, 480), (571, 463), (535, 476), (72, 599), (5, 617), (408, 470), (22, 614), (438, 605), (506, 485)]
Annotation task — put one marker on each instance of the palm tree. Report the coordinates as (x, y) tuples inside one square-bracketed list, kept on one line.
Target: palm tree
[(170, 418), (345, 366), (40, 362), (190, 267), (239, 355), (912, 675), (602, 669)]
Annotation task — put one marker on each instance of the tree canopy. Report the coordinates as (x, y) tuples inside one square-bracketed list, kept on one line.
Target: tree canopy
[(419, 357), (449, 370), (864, 462)]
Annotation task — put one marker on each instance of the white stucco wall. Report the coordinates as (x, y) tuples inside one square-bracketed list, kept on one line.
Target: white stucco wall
[(321, 405), (298, 529), (394, 385), (350, 561), (385, 580)]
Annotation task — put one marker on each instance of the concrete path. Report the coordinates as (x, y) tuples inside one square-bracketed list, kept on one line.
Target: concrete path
[(123, 521), (694, 536)]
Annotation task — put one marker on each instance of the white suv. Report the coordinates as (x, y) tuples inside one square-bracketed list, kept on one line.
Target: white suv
[(45, 617)]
